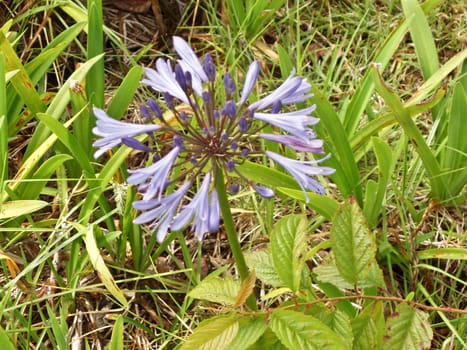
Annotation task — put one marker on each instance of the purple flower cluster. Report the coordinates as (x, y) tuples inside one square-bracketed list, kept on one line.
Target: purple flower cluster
[(203, 129)]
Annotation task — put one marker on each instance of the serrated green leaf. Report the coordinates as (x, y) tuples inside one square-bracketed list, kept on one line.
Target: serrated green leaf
[(216, 333), (249, 330), (268, 341), (288, 244), (17, 208), (368, 328), (408, 329), (352, 243), (364, 330), (327, 272), (216, 289), (261, 261), (340, 323), (299, 331)]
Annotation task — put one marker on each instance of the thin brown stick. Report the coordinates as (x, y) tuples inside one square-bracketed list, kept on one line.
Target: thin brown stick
[(394, 299)]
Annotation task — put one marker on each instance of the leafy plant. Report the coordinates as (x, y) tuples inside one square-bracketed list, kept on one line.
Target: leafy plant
[(307, 322)]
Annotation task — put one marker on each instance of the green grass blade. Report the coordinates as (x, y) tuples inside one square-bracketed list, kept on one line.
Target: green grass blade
[(116, 341), (438, 186), (3, 127), (346, 177), (95, 80), (31, 189), (30, 163), (12, 209), (5, 340), (364, 91), (437, 78), (37, 68), (422, 38), (58, 105), (456, 149), (70, 142), (125, 92), (21, 81), (99, 264), (383, 154)]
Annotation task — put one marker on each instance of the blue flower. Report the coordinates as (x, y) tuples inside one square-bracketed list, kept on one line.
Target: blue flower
[(301, 145), (292, 90), (199, 133), (154, 176), (302, 171), (203, 211), (250, 81), (158, 214), (112, 131), (295, 123)]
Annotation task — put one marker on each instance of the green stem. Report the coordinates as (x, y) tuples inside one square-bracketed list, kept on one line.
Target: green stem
[(232, 237)]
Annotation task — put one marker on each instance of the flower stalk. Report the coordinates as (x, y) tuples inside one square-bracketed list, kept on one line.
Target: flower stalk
[(232, 236)]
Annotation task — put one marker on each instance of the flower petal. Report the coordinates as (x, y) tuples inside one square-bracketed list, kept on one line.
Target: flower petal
[(311, 145), (292, 90), (250, 80), (160, 213), (301, 171), (155, 175), (202, 211), (112, 131)]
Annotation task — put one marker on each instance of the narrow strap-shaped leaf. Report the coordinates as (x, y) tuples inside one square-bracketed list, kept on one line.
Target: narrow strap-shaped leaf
[(58, 106), (420, 33), (385, 166), (95, 80), (36, 69), (116, 341), (438, 186), (3, 127), (21, 81), (346, 176), (99, 264)]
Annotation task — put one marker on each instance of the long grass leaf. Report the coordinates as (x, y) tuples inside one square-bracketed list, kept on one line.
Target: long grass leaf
[(125, 92), (21, 81), (346, 177), (364, 91), (58, 105), (438, 186), (95, 80), (37, 69), (3, 127), (422, 38), (30, 163)]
